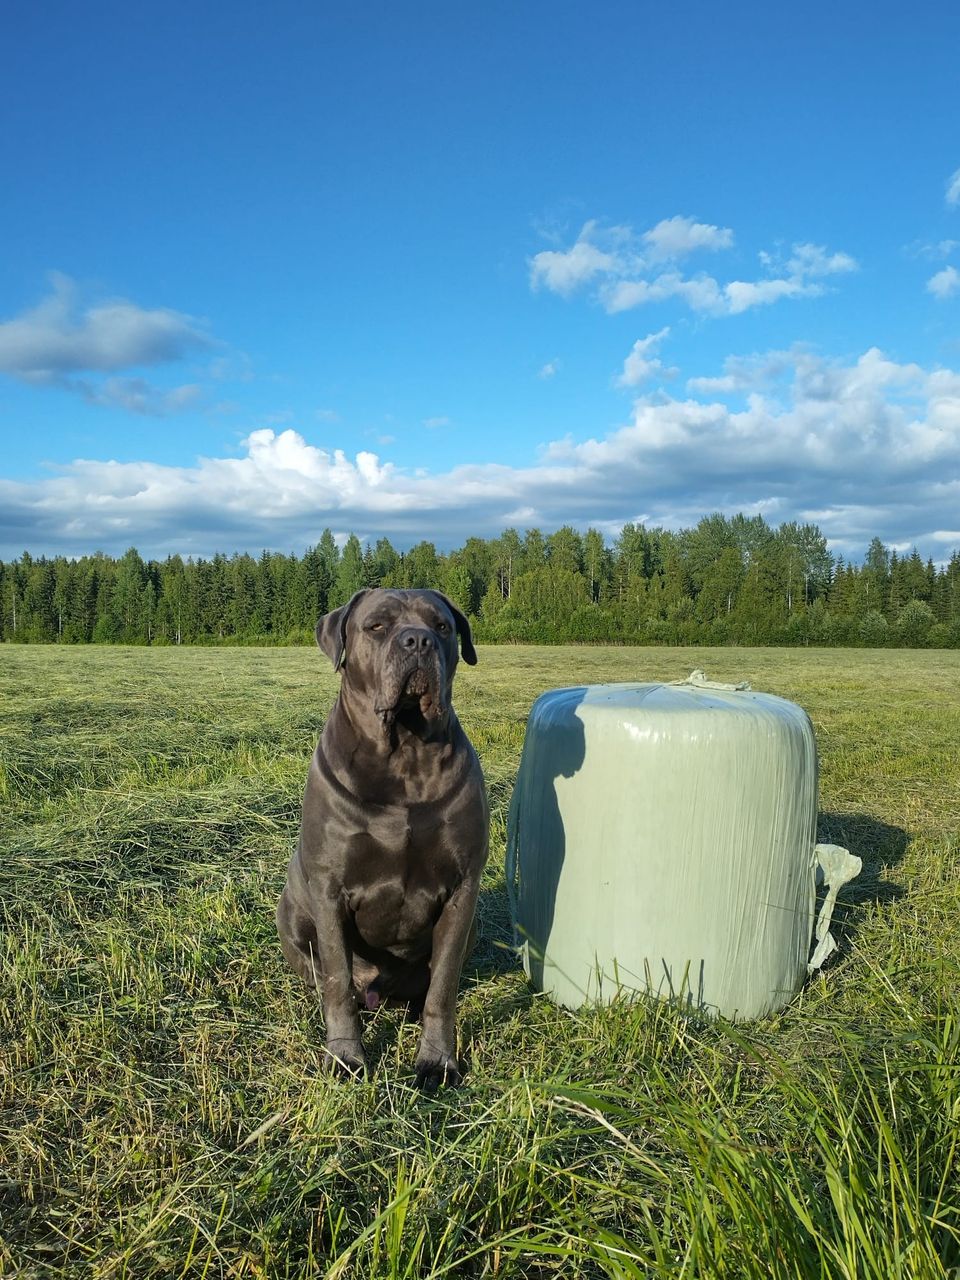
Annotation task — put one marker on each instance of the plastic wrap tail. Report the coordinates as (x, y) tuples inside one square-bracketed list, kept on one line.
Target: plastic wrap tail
[(835, 868)]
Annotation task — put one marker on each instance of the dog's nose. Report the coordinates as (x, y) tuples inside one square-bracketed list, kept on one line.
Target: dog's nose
[(416, 640)]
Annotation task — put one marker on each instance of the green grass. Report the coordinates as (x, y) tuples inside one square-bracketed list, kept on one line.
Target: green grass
[(163, 1107)]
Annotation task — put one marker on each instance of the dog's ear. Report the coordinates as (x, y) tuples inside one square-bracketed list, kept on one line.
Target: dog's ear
[(331, 630), (463, 631)]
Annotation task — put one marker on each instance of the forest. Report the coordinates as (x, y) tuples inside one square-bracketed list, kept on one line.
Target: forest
[(728, 580)]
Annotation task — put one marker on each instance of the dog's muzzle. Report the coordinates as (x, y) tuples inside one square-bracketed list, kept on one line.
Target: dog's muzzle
[(413, 677)]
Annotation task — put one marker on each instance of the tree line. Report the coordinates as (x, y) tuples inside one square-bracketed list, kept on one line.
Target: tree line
[(725, 581)]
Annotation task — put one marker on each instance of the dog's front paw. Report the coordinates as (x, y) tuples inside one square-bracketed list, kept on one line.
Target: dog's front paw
[(434, 1069), (345, 1058)]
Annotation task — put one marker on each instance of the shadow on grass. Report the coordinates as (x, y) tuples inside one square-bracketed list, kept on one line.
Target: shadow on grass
[(493, 953), (880, 847)]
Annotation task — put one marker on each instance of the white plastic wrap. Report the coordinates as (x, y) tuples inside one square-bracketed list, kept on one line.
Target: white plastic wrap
[(663, 839)]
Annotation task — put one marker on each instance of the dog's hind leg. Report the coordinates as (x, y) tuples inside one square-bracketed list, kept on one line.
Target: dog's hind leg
[(298, 939)]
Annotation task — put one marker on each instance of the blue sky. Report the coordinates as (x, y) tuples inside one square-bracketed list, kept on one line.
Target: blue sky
[(429, 271)]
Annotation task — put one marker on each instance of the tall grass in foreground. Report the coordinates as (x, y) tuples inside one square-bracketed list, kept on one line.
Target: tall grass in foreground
[(163, 1108)]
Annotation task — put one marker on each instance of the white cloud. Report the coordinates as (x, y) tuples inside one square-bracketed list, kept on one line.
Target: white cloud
[(700, 293), (642, 363), (60, 343), (565, 271), (741, 295), (726, 385), (678, 236), (550, 369), (862, 448), (627, 271), (953, 188), (704, 294), (815, 260), (56, 337), (626, 294), (747, 373), (945, 283), (432, 424)]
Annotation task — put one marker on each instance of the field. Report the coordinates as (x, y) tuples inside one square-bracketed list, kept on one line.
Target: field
[(163, 1107)]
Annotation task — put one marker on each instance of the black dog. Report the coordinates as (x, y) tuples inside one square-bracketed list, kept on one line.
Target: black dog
[(380, 894)]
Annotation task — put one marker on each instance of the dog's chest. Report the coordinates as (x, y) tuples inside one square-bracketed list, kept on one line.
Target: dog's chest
[(397, 876)]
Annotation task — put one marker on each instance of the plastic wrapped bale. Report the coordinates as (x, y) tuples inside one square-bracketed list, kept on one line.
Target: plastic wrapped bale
[(662, 839)]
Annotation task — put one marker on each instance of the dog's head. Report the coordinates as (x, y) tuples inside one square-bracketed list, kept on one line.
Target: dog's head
[(398, 651)]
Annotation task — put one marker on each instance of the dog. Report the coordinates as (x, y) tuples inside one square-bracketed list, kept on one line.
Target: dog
[(381, 892)]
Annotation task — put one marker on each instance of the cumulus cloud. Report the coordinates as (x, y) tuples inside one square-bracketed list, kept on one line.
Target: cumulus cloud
[(642, 363), (861, 448), (62, 343), (816, 260), (625, 270), (549, 370), (678, 236), (56, 337), (746, 373), (704, 294), (565, 271), (953, 188), (945, 283), (700, 293), (741, 295)]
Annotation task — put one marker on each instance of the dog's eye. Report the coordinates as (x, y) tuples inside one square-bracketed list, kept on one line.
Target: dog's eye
[(443, 627), (375, 626)]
